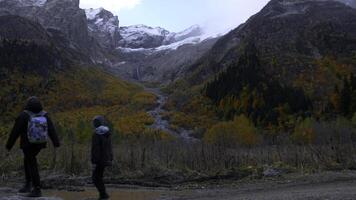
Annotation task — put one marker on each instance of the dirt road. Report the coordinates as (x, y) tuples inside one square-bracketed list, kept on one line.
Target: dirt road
[(344, 190), (324, 186)]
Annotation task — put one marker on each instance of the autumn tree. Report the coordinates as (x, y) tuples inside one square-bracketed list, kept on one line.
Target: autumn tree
[(304, 132), (240, 131)]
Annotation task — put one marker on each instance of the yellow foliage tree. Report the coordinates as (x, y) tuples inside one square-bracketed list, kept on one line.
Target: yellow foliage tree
[(354, 119), (304, 132), (240, 131)]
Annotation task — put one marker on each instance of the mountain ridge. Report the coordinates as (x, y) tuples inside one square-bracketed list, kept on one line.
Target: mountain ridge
[(293, 58), (103, 26), (277, 15)]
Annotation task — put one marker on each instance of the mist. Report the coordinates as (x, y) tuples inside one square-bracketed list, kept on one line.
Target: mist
[(215, 16), (222, 17)]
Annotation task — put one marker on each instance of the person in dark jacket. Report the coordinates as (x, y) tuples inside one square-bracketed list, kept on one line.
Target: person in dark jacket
[(101, 154), (31, 150)]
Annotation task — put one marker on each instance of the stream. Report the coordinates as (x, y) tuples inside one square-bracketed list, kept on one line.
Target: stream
[(162, 124), (121, 193)]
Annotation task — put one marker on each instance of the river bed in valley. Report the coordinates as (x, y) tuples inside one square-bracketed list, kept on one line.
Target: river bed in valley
[(322, 186), (162, 124)]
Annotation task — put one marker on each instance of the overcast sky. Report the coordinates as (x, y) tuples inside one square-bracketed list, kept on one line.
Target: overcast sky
[(176, 15)]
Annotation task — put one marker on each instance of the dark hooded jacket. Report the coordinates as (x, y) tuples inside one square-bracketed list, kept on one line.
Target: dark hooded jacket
[(20, 128), (101, 150)]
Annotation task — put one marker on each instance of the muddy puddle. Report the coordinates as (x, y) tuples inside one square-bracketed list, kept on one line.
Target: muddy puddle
[(89, 194), (115, 194)]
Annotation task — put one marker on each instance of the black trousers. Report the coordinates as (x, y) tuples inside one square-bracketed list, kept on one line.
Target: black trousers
[(98, 181), (31, 166)]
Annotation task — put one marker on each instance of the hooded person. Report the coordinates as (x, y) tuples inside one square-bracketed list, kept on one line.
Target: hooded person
[(101, 153), (26, 124)]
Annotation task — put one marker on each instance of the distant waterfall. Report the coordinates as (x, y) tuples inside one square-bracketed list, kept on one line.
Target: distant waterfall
[(138, 76)]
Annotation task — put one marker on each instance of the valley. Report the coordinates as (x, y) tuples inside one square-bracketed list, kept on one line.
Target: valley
[(266, 110), (164, 124)]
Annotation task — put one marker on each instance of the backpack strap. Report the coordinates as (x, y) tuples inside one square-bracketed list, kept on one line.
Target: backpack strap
[(42, 113), (31, 114)]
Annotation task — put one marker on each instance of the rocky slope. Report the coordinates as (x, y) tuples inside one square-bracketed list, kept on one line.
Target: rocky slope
[(145, 37), (41, 62), (145, 53), (160, 66), (28, 46), (290, 33), (293, 58), (63, 15), (141, 36), (104, 26), (64, 19), (156, 55), (94, 36), (24, 29), (351, 3)]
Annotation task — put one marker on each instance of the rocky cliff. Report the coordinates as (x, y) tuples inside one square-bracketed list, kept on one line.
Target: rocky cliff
[(62, 18), (104, 26)]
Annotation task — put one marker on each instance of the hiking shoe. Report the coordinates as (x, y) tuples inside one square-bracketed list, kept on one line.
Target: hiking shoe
[(104, 197), (36, 192), (26, 189)]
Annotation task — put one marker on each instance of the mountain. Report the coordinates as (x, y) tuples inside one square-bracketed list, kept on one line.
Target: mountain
[(104, 26), (28, 46), (291, 58), (141, 36), (94, 36), (145, 53), (157, 55), (24, 29), (160, 66), (34, 62), (351, 3), (64, 19), (63, 15), (193, 31), (24, 3), (290, 33)]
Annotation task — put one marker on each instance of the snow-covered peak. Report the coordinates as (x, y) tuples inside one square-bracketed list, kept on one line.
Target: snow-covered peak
[(143, 29), (188, 40), (102, 20), (92, 12), (142, 36), (195, 29), (190, 32), (104, 26), (193, 35)]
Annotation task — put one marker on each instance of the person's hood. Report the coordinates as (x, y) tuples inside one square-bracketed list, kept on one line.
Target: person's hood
[(98, 121), (102, 130), (33, 105)]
